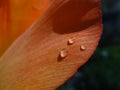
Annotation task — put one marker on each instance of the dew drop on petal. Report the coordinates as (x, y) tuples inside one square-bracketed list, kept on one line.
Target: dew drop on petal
[(83, 47), (63, 53), (71, 41)]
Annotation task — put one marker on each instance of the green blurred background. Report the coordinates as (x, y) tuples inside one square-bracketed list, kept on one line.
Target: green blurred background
[(101, 72)]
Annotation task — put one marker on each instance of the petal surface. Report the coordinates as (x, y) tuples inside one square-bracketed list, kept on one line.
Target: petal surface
[(16, 16), (33, 62)]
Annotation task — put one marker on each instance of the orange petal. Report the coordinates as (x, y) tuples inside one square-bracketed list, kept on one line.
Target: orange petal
[(16, 16), (34, 61)]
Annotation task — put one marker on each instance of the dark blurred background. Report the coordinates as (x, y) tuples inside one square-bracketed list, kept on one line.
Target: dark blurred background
[(101, 72)]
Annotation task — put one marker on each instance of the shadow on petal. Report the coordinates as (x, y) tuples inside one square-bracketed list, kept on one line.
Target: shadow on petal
[(69, 17)]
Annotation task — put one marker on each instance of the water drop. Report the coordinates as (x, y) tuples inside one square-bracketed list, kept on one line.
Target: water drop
[(63, 53), (82, 47), (71, 41)]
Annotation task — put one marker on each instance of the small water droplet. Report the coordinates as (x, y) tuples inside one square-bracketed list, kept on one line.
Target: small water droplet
[(71, 41), (63, 53), (83, 47)]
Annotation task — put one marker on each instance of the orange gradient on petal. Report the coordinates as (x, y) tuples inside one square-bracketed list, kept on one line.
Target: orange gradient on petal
[(33, 63), (16, 16)]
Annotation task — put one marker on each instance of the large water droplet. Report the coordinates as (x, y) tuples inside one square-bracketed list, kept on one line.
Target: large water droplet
[(63, 53)]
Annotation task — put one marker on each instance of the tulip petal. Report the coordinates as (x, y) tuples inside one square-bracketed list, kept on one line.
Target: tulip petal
[(34, 61), (16, 16)]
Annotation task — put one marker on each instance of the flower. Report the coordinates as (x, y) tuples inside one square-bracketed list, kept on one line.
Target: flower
[(32, 62), (16, 17)]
